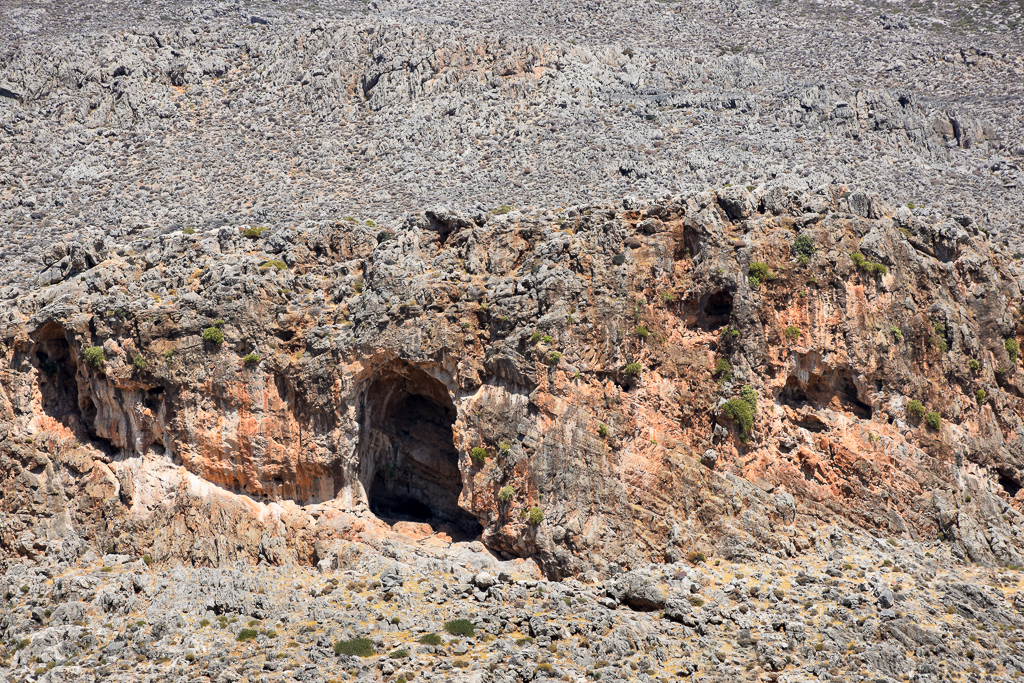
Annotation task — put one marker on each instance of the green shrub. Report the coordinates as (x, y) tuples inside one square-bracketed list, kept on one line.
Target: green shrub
[(213, 335), (695, 557), (554, 357), (399, 654), (430, 639), (356, 647), (479, 455), (535, 516), (254, 233), (138, 362), (384, 236), (370, 223), (246, 634), (168, 354), (869, 267), (933, 420), (506, 494), (896, 333), (280, 265), (618, 259), (742, 411), (204, 623), (748, 394), (358, 287), (148, 559), (973, 365), (915, 408), (504, 447), (502, 210), (758, 272), (667, 297), (792, 332), (642, 332), (189, 231), (633, 368), (803, 246), (94, 356), (250, 359), (602, 429), (1011, 349), (723, 370), (980, 396), (460, 627)]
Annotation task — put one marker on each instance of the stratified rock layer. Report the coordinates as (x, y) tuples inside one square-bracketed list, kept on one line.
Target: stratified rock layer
[(554, 379)]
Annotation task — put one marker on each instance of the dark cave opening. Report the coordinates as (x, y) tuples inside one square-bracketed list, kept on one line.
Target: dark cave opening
[(57, 365), (408, 463), (710, 311), (1009, 485), (835, 390)]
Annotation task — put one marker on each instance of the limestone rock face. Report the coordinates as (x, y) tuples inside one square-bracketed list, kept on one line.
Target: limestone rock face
[(551, 382)]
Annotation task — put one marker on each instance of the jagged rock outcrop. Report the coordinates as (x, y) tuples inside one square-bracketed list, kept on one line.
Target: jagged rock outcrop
[(466, 369)]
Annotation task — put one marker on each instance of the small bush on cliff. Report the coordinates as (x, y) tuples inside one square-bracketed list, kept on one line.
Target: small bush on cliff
[(867, 266), (742, 411), (759, 272), (896, 334), (915, 408), (618, 259), (94, 356), (250, 359), (980, 396), (602, 429), (460, 627), (554, 357), (667, 297), (633, 368), (535, 516), (479, 455), (246, 634), (933, 420), (504, 447), (803, 246), (506, 494), (973, 365), (642, 332), (213, 335), (254, 233), (1012, 350), (356, 647), (792, 332), (138, 362), (723, 370), (431, 639)]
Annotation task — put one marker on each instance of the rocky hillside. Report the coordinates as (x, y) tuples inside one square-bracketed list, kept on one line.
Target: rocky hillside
[(595, 385), (700, 416), (204, 116), (618, 341)]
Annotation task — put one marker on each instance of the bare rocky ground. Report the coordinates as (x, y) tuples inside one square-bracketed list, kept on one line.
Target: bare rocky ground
[(143, 119), (852, 608)]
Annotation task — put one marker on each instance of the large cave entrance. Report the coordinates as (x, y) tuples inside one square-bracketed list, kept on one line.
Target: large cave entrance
[(408, 463)]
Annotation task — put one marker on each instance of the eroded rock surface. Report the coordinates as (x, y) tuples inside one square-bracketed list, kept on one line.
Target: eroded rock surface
[(554, 379)]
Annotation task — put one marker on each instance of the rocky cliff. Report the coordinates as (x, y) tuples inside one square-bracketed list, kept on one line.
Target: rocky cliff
[(592, 386)]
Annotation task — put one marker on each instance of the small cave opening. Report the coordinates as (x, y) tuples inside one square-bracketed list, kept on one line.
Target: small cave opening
[(1009, 485), (710, 311), (57, 365), (835, 390), (408, 463), (58, 386)]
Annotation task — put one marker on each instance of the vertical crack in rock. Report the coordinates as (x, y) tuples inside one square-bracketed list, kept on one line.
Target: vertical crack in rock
[(408, 463)]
